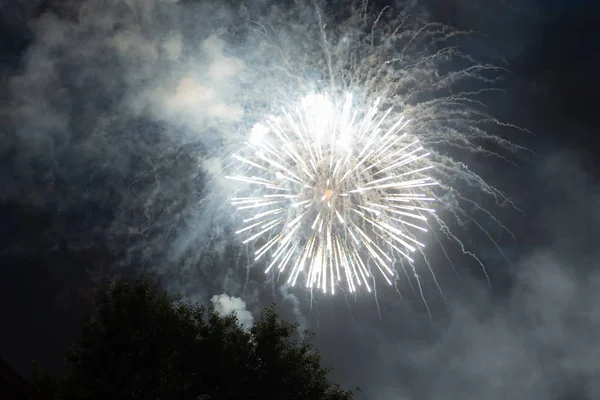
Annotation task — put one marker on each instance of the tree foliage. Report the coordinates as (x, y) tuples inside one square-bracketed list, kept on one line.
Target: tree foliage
[(139, 344)]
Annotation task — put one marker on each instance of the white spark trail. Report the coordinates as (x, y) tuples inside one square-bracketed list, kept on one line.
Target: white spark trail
[(336, 214), (362, 166)]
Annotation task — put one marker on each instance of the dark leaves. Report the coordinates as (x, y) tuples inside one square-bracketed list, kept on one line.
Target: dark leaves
[(139, 344)]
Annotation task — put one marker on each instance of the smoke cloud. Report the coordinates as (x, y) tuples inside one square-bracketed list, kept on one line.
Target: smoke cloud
[(225, 305), (535, 338), (119, 119)]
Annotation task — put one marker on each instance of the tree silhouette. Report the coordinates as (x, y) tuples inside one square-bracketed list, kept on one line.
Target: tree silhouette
[(138, 343)]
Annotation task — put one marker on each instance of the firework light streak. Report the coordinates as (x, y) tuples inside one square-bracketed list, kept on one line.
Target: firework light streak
[(337, 187)]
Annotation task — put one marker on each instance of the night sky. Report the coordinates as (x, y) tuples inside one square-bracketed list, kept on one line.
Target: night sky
[(64, 197)]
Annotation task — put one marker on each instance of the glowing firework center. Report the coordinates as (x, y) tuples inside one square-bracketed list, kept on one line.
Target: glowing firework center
[(334, 192)]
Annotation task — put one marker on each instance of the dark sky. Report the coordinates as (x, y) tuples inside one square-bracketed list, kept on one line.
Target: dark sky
[(532, 335)]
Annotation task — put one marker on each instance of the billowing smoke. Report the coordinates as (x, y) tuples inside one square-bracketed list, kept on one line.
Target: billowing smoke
[(225, 305), (124, 114), (120, 122), (116, 123), (133, 108)]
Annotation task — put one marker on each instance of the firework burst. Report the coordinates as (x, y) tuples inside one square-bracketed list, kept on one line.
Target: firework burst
[(337, 190)]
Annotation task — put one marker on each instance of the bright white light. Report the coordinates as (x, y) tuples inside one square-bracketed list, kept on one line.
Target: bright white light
[(338, 189), (258, 134)]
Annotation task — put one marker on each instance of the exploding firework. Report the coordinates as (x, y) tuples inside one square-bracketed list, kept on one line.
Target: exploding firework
[(340, 188), (335, 187)]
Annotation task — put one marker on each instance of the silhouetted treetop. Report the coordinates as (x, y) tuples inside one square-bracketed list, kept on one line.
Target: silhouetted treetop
[(137, 343)]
